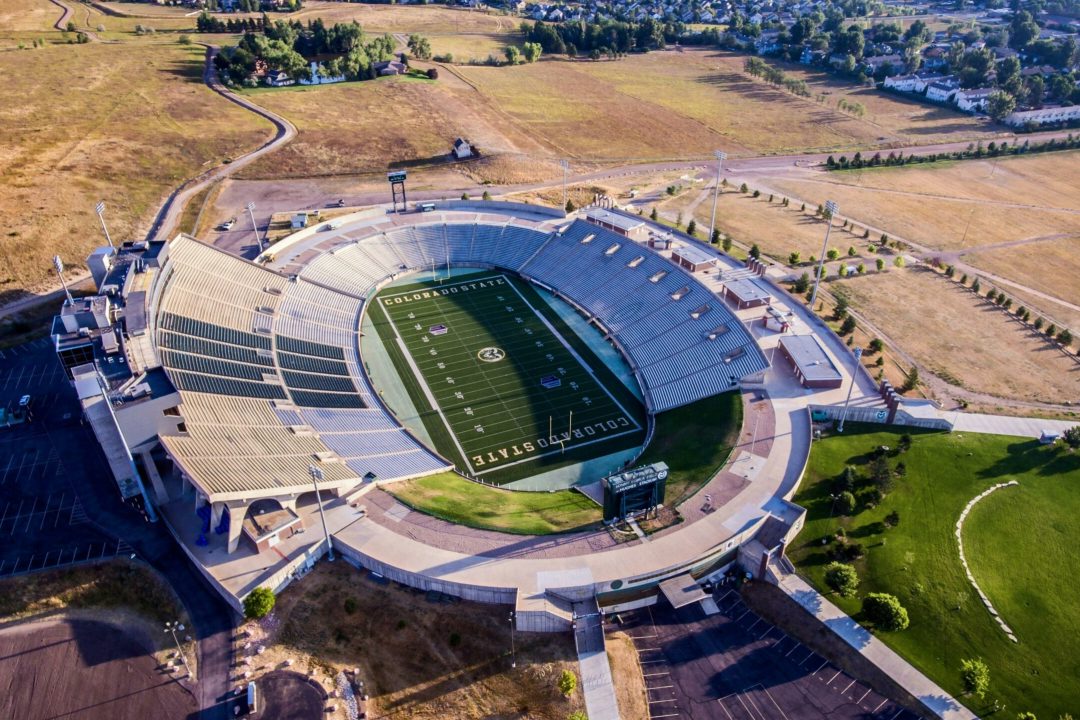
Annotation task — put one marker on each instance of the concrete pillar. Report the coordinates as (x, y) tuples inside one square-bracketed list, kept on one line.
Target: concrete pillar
[(161, 496), (215, 514), (763, 566), (236, 525)]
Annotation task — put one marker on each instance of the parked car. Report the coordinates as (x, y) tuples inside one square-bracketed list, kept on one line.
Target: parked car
[(227, 225)]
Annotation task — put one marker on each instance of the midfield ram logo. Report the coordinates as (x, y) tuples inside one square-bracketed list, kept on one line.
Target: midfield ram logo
[(491, 354)]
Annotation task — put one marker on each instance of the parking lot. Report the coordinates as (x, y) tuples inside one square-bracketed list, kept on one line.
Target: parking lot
[(736, 666), (43, 467)]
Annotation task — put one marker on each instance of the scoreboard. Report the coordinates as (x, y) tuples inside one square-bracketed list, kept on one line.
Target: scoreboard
[(634, 491)]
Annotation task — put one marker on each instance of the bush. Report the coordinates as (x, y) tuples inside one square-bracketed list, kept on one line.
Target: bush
[(259, 603), (794, 258), (691, 228), (350, 605), (846, 481), (567, 683), (851, 251), (892, 519), (848, 326), (755, 252), (842, 578), (845, 503), (486, 195), (744, 189), (976, 676), (875, 346), (886, 612), (802, 284), (433, 73), (757, 193), (184, 40)]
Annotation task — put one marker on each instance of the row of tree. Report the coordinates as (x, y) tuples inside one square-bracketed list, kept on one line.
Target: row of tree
[(771, 74), (604, 37), (973, 151)]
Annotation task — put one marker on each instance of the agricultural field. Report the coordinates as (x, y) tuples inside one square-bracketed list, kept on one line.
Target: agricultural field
[(509, 392), (1018, 541), (964, 339), (120, 123)]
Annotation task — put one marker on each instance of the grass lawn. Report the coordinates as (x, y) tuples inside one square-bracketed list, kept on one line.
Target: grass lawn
[(451, 497), (695, 441), (1020, 543)]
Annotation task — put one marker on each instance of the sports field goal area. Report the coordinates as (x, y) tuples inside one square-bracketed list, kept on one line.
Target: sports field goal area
[(505, 379)]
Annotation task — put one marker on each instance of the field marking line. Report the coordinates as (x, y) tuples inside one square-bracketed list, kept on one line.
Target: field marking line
[(581, 361), (427, 390)]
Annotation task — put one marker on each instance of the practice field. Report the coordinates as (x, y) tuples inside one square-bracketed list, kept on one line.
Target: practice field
[(1020, 544), (513, 396)]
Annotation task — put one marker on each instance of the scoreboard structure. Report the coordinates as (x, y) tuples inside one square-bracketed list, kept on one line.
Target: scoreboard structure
[(634, 491)]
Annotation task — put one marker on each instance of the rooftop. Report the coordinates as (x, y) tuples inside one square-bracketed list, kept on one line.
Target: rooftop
[(746, 290), (806, 352), (618, 220)]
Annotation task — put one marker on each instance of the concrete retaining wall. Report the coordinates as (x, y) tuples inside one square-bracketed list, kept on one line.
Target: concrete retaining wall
[(878, 415)]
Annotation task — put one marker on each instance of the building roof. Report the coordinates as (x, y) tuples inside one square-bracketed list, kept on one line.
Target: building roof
[(811, 359), (695, 255), (623, 222), (746, 290)]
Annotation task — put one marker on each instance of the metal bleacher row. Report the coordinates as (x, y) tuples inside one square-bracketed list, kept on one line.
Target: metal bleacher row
[(681, 339), (252, 353)]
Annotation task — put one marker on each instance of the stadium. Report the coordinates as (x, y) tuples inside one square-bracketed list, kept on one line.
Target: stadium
[(508, 344)]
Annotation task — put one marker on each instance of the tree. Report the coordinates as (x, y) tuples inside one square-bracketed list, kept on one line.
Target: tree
[(532, 51), (848, 326), (744, 189), (755, 252), (881, 474), (976, 286), (885, 611), (899, 261), (892, 519), (727, 243), (691, 229), (433, 73), (1065, 338), (184, 40), (875, 346), (577, 715), (567, 683), (419, 47), (846, 481), (70, 27), (880, 264), (1000, 105), (852, 252), (794, 258), (842, 578), (570, 206), (802, 284), (911, 381), (259, 603), (715, 239), (513, 55), (845, 502), (653, 215), (486, 196), (841, 309), (832, 254), (975, 675), (905, 442)]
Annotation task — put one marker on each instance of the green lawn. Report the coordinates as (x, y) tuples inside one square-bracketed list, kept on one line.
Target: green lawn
[(1021, 543), (514, 394), (695, 441), (453, 498)]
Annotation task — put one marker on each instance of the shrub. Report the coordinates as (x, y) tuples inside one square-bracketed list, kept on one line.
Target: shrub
[(875, 346), (486, 195), (845, 503), (885, 611), (691, 229), (757, 193), (570, 206), (184, 40), (755, 252), (832, 254), (842, 578), (848, 326), (1026, 716), (899, 261), (744, 189), (794, 258), (802, 284), (880, 264), (976, 676), (846, 481), (892, 519), (567, 683), (259, 603), (433, 73), (350, 605), (851, 251), (653, 215)]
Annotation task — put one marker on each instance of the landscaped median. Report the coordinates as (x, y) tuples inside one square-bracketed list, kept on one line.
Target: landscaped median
[(1020, 546), (695, 441)]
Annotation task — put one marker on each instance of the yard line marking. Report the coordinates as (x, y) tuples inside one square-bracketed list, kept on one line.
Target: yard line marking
[(651, 662), (660, 687), (18, 514), (667, 715), (807, 659)]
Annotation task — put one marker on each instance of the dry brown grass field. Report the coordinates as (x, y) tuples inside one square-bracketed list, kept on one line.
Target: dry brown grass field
[(473, 46), (421, 659), (82, 123), (956, 335), (27, 16), (424, 19)]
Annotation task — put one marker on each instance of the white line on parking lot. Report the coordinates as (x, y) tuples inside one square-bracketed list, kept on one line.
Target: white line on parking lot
[(882, 703), (863, 695), (829, 681), (797, 646), (655, 674), (844, 691)]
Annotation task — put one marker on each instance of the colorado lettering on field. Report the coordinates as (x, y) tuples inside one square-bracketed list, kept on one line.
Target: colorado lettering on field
[(504, 382)]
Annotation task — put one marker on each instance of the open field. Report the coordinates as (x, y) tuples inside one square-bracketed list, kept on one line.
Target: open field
[(455, 499), (956, 335), (419, 659), (477, 46), (1019, 542), (423, 19), (28, 16), (122, 123)]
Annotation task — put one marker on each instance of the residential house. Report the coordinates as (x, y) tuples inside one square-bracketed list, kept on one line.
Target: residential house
[(1044, 116), (278, 78), (942, 90), (973, 100)]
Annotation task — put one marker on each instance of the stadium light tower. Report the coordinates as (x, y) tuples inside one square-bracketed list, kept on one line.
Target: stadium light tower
[(721, 156), (831, 209), (100, 210), (565, 165), (59, 265), (317, 475), (251, 214), (854, 372), (171, 627)]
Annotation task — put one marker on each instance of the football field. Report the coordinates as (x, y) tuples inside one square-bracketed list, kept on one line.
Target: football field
[(503, 378)]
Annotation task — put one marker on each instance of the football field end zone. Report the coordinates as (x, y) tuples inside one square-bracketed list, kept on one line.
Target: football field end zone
[(572, 348)]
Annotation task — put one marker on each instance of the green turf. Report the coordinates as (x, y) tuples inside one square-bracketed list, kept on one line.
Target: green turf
[(695, 442), (496, 420), (453, 498), (1020, 542)]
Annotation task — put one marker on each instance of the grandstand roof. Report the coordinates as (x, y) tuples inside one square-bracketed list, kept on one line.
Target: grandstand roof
[(623, 222)]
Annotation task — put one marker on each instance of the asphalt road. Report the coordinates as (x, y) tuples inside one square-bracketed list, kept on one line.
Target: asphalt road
[(736, 666), (59, 504)]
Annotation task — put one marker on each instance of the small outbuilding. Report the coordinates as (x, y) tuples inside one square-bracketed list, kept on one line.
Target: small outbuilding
[(745, 293), (624, 225), (462, 149), (810, 361), (692, 258), (298, 221)]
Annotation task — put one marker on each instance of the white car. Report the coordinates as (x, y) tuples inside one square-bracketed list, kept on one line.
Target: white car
[(227, 225)]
